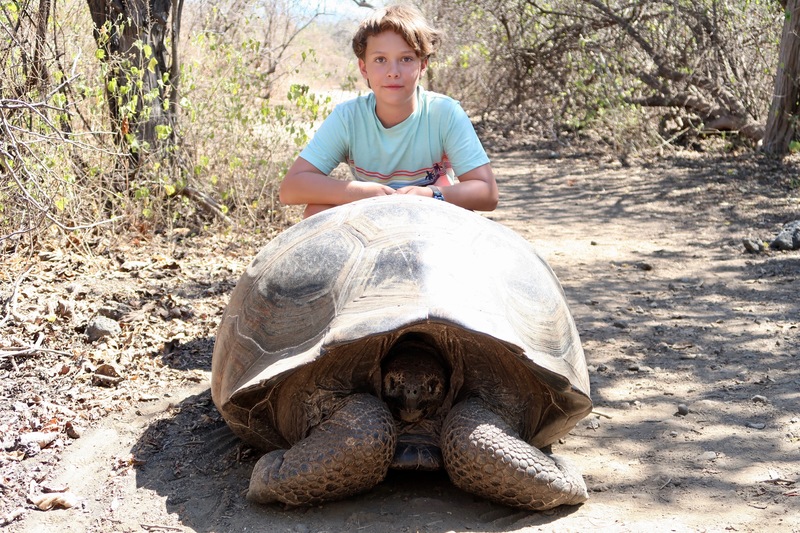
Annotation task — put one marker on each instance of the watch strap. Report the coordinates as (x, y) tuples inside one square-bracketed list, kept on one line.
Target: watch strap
[(437, 194)]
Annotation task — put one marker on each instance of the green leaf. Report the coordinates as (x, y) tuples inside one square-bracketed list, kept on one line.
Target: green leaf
[(163, 131)]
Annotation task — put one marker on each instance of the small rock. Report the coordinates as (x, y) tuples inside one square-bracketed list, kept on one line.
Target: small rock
[(759, 399), (788, 238), (619, 324), (683, 409), (673, 433), (642, 265), (755, 425), (753, 246), (100, 327), (707, 456)]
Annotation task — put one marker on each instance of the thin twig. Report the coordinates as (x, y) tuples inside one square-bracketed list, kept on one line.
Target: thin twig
[(83, 226), (27, 350), (150, 527), (35, 347), (10, 303), (207, 203)]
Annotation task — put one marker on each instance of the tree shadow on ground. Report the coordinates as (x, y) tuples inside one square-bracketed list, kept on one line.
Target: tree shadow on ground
[(727, 326)]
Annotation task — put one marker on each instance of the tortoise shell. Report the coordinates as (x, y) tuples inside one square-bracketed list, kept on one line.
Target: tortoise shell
[(320, 306)]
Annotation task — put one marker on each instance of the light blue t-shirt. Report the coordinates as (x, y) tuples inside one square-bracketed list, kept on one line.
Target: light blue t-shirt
[(437, 139)]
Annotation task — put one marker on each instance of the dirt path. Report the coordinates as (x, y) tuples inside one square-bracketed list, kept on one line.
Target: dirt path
[(673, 315)]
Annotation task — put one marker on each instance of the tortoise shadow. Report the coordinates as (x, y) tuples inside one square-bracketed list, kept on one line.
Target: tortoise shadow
[(202, 469)]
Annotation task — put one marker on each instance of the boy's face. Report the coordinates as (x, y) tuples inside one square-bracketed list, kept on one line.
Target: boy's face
[(392, 69)]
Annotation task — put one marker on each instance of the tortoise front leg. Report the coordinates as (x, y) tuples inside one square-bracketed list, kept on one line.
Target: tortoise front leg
[(485, 456), (348, 453)]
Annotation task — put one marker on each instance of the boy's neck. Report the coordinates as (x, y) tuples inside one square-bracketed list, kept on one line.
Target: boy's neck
[(390, 115)]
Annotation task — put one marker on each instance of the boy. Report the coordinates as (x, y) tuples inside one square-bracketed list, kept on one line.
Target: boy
[(399, 139)]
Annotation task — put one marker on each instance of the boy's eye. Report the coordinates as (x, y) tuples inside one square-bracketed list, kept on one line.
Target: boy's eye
[(408, 59)]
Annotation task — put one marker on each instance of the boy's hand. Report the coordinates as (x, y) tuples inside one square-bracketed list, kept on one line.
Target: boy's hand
[(416, 191), (366, 189)]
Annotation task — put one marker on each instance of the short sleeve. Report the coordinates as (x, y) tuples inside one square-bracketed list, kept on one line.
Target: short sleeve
[(461, 143), (329, 146)]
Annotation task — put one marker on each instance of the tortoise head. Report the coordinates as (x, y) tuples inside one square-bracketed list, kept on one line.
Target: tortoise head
[(415, 380)]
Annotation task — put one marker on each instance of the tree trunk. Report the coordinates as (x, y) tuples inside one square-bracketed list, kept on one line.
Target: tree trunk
[(783, 113), (131, 34)]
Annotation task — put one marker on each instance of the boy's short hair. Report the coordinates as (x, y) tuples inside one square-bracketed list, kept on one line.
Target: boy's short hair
[(405, 20)]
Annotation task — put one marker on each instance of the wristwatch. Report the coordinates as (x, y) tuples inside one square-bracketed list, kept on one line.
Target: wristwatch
[(437, 194)]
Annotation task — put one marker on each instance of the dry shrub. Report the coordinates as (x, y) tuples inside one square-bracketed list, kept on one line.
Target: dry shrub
[(636, 74), (52, 108), (241, 124)]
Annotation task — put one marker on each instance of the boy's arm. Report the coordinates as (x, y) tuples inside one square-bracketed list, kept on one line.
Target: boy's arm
[(476, 190), (305, 184)]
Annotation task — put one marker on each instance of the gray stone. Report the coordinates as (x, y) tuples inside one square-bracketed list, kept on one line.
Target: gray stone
[(788, 238), (753, 246), (100, 327)]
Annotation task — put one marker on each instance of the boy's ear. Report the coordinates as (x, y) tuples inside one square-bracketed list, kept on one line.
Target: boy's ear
[(362, 66), (424, 66)]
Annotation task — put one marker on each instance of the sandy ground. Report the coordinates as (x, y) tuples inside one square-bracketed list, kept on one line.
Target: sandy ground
[(692, 345)]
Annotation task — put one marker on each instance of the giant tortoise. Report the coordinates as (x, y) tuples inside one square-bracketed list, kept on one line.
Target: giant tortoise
[(402, 332)]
